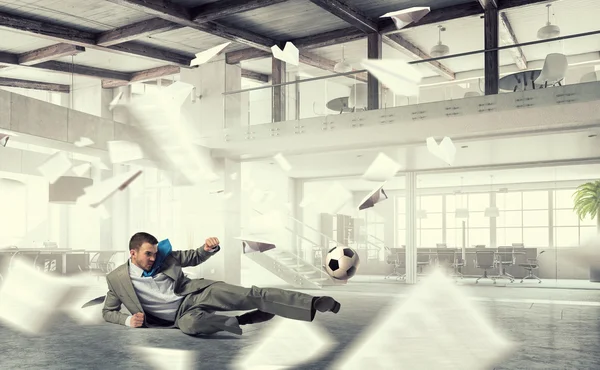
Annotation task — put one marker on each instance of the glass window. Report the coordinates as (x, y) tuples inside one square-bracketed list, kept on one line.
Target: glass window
[(506, 236), (565, 217), (433, 221), (566, 236), (536, 237), (430, 203), (586, 233), (400, 238), (479, 236), (563, 198), (535, 199), (478, 219), (510, 219), (535, 218), (400, 205), (509, 201), (479, 202), (452, 221), (454, 238), (429, 238), (587, 221), (451, 202), (401, 221)]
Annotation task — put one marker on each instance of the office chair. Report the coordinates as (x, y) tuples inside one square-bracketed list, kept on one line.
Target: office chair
[(458, 264), (422, 261), (441, 245), (445, 258), (504, 258), (554, 70), (532, 264), (397, 258), (480, 246), (101, 264), (485, 260)]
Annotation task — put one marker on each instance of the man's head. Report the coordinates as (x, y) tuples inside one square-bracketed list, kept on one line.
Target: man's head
[(142, 249)]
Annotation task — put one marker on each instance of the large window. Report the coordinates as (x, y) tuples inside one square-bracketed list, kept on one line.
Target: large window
[(477, 226), (524, 218), (430, 228), (569, 230), (400, 222)]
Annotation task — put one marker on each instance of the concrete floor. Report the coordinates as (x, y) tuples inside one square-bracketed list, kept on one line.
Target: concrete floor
[(554, 329)]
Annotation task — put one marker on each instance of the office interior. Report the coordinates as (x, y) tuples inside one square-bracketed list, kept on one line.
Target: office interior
[(499, 220)]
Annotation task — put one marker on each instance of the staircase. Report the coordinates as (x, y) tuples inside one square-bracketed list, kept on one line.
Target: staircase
[(293, 270)]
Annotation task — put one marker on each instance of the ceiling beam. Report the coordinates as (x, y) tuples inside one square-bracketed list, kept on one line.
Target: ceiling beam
[(508, 37), (135, 31), (34, 85), (73, 36), (488, 3), (181, 15), (49, 53), (142, 76), (317, 61), (251, 75), (348, 14), (80, 70), (401, 44), (220, 9), (507, 4), (235, 57)]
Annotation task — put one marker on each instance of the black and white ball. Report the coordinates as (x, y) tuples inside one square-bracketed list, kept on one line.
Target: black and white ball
[(342, 263)]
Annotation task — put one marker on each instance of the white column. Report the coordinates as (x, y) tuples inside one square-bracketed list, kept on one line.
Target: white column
[(231, 266), (411, 228), (106, 236), (88, 96), (120, 214)]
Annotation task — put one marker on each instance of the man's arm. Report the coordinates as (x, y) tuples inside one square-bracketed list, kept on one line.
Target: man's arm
[(195, 257), (112, 307)]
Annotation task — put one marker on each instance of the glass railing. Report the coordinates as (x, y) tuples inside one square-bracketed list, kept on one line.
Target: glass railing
[(458, 75)]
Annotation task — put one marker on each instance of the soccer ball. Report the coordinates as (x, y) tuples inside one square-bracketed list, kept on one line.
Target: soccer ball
[(342, 263)]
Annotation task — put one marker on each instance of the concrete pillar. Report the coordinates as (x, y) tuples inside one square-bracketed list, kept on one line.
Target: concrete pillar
[(106, 236), (230, 266), (120, 214), (88, 96), (209, 109), (411, 228)]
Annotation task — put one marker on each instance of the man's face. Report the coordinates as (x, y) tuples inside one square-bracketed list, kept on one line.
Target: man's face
[(144, 258)]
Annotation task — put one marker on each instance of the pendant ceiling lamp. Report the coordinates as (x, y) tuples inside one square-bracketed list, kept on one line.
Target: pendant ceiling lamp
[(343, 66), (440, 49), (549, 31)]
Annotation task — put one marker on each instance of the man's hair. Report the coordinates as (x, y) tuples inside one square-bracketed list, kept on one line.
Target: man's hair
[(140, 238)]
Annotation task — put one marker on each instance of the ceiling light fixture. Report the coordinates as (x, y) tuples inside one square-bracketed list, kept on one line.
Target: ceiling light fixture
[(550, 30), (440, 49), (343, 66)]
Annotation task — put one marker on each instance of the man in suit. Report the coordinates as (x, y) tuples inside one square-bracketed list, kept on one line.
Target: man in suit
[(154, 289)]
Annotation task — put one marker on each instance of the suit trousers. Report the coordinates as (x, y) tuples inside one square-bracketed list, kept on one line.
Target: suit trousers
[(196, 315)]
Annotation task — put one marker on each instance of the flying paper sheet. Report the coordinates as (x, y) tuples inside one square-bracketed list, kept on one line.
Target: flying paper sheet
[(334, 199), (97, 194), (4, 139), (207, 55), (290, 53), (285, 344), (83, 141), (403, 18), (56, 166), (124, 151), (165, 137), (375, 196), (383, 168), (251, 244), (81, 169), (115, 101), (437, 327), (282, 162), (29, 299), (402, 78), (446, 151), (166, 359)]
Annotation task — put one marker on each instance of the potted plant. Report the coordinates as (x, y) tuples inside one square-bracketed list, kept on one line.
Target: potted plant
[(587, 203)]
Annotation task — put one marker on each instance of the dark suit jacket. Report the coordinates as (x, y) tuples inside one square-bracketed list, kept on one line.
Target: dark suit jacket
[(121, 292)]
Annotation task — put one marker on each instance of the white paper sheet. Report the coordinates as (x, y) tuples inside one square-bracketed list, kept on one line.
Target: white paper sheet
[(290, 53), (445, 150), (205, 56), (401, 77), (55, 166), (383, 168), (403, 18)]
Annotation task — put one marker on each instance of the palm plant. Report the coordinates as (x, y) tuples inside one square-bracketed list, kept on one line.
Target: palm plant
[(587, 201)]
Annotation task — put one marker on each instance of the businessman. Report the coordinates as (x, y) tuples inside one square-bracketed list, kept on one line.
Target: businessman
[(154, 289)]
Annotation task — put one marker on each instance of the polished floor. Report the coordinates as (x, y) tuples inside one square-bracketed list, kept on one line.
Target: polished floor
[(553, 329)]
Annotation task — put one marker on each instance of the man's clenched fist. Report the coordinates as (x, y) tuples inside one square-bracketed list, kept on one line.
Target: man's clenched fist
[(210, 243), (137, 320)]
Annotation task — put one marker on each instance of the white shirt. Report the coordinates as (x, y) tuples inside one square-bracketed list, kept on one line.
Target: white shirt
[(156, 294)]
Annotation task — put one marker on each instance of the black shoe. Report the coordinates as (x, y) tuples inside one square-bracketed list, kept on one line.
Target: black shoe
[(254, 317), (232, 325), (325, 304)]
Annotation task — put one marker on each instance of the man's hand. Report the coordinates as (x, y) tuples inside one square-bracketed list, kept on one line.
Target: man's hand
[(210, 243), (137, 320)]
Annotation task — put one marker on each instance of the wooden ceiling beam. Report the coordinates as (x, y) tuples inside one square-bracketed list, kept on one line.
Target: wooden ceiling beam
[(317, 61), (87, 39), (49, 53), (401, 44), (181, 15), (251, 75), (142, 76), (348, 14), (220, 9), (34, 85), (135, 31), (507, 35)]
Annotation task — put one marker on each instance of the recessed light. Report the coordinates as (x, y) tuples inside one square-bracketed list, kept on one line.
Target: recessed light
[(592, 135), (464, 146)]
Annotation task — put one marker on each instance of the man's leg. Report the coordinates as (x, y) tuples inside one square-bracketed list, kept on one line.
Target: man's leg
[(286, 303), (198, 322)]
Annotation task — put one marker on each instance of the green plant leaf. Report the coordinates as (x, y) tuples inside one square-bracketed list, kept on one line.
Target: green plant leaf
[(586, 200)]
